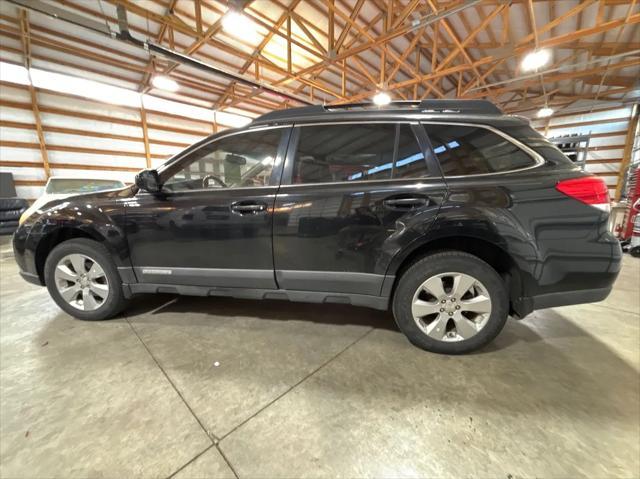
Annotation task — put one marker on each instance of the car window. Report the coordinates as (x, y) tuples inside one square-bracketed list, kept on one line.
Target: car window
[(356, 152), (471, 150), (245, 159), (81, 185), (538, 143)]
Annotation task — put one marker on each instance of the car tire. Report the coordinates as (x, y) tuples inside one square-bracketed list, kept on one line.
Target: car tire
[(435, 311), (83, 280)]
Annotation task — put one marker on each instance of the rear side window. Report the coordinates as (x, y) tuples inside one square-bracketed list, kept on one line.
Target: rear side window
[(539, 144), (471, 150), (357, 152)]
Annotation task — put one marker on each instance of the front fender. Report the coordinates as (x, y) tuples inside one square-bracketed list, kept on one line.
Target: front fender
[(81, 216)]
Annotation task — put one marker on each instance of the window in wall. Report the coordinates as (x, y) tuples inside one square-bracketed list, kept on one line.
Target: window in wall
[(239, 160), (357, 152), (470, 150)]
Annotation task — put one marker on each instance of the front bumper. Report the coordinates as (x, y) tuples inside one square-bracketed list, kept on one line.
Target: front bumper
[(25, 256)]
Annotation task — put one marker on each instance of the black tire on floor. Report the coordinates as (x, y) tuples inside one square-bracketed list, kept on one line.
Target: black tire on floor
[(443, 262), (115, 301)]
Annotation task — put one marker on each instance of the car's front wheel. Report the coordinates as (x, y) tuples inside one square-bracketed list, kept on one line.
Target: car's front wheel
[(450, 302), (83, 280)]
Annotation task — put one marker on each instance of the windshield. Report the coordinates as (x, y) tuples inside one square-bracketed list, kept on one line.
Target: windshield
[(80, 185)]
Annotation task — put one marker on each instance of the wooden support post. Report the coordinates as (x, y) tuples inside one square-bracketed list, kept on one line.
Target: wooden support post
[(344, 77), (628, 149), (198, 8), (43, 146), (26, 51), (289, 44), (145, 136), (331, 32)]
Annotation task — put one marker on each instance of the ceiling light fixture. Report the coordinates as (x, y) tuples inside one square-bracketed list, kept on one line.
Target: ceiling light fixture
[(238, 24), (165, 83), (545, 112), (382, 98), (535, 60)]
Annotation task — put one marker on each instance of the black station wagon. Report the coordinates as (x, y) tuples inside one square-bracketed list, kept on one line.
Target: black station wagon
[(448, 212)]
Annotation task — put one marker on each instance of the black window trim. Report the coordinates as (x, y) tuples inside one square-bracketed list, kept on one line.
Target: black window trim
[(537, 157), (276, 173), (432, 168)]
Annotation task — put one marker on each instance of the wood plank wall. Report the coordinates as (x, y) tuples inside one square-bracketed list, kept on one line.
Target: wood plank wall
[(608, 128), (91, 138), (85, 138)]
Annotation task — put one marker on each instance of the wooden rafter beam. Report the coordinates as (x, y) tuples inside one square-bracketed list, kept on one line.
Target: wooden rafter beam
[(163, 29), (558, 77), (371, 43), (570, 37)]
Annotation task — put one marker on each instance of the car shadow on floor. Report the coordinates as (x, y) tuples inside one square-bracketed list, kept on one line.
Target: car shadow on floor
[(170, 309), (154, 305)]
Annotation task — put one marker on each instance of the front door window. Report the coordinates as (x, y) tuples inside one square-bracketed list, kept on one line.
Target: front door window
[(242, 160)]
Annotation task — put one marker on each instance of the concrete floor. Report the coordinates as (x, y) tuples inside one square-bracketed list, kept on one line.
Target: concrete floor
[(206, 387)]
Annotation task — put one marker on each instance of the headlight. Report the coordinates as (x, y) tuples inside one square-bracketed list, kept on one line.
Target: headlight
[(24, 217)]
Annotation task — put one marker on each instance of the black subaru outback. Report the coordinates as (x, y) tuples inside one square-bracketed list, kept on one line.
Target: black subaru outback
[(448, 212)]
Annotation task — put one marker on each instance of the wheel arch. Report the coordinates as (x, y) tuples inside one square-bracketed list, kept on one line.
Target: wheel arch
[(57, 236), (489, 252)]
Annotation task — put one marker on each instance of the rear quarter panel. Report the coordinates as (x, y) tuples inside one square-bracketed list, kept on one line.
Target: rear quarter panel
[(556, 243)]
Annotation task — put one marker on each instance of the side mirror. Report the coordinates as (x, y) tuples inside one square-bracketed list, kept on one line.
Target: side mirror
[(148, 180)]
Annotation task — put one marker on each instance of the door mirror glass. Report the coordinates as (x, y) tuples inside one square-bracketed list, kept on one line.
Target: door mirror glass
[(148, 180)]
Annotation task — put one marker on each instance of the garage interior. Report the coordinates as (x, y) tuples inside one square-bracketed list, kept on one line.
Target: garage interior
[(190, 387)]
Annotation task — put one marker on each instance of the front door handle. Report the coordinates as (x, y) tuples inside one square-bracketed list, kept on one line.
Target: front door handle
[(245, 208), (406, 203)]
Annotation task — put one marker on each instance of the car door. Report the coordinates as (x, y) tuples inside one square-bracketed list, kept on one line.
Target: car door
[(211, 224), (352, 196)]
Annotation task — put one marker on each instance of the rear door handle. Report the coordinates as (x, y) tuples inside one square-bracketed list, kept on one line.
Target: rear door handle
[(243, 208), (406, 203)]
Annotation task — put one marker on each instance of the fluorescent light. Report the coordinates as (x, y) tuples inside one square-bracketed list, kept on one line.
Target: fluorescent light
[(535, 60), (102, 92), (238, 24), (165, 83), (381, 99), (14, 73), (83, 87), (545, 112)]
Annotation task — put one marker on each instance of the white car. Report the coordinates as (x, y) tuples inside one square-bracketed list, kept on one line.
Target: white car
[(60, 187)]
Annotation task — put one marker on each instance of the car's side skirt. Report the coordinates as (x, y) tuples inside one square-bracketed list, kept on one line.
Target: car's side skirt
[(369, 301)]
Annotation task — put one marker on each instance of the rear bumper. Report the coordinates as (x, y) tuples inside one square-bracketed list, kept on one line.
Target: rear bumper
[(524, 306), (566, 298), (31, 278)]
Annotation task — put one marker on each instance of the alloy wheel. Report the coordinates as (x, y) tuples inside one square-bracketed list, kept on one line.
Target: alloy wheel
[(81, 282), (451, 306)]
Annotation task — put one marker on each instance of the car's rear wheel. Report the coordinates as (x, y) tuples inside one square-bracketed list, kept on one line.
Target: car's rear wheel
[(450, 302), (83, 280)]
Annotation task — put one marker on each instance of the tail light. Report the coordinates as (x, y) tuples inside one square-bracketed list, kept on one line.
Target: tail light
[(589, 190)]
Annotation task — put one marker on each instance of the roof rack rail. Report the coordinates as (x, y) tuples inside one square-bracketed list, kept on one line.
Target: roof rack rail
[(476, 107), (289, 112), (461, 106)]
